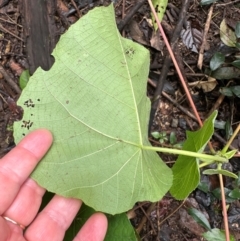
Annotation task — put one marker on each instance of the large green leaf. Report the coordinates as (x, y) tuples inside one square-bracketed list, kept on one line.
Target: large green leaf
[(94, 101), (186, 170)]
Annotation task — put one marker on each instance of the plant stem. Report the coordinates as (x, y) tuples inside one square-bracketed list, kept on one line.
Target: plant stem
[(187, 153), (224, 150), (224, 211), (204, 164)]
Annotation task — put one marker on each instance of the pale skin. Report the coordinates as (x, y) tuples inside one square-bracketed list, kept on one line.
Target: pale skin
[(21, 197)]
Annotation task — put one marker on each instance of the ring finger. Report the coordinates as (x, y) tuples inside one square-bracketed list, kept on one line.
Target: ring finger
[(15, 168)]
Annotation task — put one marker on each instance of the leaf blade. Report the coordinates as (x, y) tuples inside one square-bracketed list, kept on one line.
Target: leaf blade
[(186, 170), (98, 118)]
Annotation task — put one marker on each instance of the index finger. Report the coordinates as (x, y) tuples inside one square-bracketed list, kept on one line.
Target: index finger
[(18, 164)]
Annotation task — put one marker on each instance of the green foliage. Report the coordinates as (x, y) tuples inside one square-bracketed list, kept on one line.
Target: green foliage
[(119, 227), (226, 73), (216, 61), (186, 170), (237, 30), (230, 154), (94, 101), (24, 78), (199, 218), (207, 2), (235, 193), (231, 91), (227, 36), (173, 138), (160, 7), (223, 172), (216, 235), (161, 136), (236, 63)]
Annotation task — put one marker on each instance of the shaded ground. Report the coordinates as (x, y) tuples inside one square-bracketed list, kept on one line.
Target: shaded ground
[(167, 219)]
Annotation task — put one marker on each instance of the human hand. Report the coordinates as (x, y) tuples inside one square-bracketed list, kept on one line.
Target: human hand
[(21, 197)]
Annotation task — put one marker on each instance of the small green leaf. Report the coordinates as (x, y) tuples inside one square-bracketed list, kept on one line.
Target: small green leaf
[(155, 134), (216, 61), (226, 91), (236, 63), (179, 145), (230, 154), (235, 193), (186, 170), (220, 124), (237, 29), (231, 91), (207, 2), (173, 138), (216, 235), (228, 130), (238, 45), (236, 90), (199, 218), (227, 36), (160, 7), (24, 78), (226, 73), (223, 172), (218, 194), (203, 186)]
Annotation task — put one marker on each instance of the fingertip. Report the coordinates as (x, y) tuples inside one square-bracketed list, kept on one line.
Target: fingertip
[(101, 220), (37, 142), (94, 229), (44, 134)]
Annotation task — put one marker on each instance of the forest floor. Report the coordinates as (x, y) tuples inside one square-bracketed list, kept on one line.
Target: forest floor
[(167, 219)]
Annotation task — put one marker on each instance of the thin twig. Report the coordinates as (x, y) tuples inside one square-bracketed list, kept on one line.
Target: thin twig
[(9, 80), (7, 31), (204, 40), (174, 211), (184, 110), (145, 218), (225, 4), (225, 217), (130, 14), (76, 7), (231, 139), (123, 9)]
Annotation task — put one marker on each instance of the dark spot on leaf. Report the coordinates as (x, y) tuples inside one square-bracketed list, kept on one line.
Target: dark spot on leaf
[(38, 99), (67, 101), (130, 51), (23, 134), (29, 103)]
